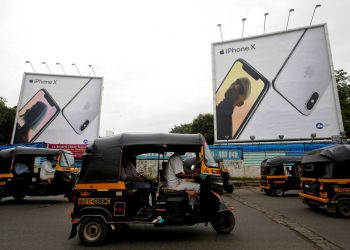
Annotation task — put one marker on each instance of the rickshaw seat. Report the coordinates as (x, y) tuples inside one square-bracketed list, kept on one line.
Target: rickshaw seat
[(171, 192)]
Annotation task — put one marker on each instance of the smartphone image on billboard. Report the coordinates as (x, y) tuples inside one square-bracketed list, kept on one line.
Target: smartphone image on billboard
[(237, 98), (305, 74), (35, 116), (83, 108)]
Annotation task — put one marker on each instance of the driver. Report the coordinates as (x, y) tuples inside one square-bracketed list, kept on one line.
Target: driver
[(175, 176)]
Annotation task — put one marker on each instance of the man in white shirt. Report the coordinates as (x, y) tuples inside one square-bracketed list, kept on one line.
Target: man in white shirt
[(47, 172), (175, 174)]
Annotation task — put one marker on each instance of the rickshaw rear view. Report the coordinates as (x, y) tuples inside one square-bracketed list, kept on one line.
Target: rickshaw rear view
[(279, 174), (325, 179), (104, 200)]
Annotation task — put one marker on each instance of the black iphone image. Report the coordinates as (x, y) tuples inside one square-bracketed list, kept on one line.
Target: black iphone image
[(35, 116), (233, 124)]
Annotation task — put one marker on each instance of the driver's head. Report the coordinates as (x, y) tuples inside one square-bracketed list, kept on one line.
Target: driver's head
[(180, 151)]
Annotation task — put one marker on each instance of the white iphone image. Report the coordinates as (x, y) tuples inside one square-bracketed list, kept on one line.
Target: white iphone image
[(83, 108), (305, 76)]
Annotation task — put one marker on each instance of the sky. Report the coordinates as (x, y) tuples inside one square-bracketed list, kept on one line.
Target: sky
[(154, 56)]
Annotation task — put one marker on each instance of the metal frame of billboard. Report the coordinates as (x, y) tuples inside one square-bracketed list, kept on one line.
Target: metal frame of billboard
[(259, 75)]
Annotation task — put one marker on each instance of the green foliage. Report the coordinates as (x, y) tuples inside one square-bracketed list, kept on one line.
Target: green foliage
[(182, 129), (342, 79), (203, 123), (7, 119)]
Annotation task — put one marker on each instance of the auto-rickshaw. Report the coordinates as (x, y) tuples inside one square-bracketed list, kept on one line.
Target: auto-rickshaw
[(103, 201), (280, 174), (18, 183), (325, 179), (225, 175)]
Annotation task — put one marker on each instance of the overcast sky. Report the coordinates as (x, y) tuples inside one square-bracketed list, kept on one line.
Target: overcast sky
[(154, 56)]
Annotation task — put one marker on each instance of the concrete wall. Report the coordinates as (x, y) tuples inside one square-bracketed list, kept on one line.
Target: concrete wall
[(236, 168)]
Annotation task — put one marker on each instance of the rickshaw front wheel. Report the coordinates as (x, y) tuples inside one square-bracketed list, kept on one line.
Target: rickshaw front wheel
[(224, 222), (93, 232), (343, 208)]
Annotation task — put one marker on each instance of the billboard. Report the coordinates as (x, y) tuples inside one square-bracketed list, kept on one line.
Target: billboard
[(275, 86), (58, 109)]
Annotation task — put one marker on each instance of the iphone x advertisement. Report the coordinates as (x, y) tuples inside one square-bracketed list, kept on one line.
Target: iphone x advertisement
[(58, 109), (275, 84)]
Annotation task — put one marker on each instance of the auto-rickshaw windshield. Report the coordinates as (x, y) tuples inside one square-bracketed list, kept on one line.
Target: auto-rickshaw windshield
[(208, 157), (67, 159)]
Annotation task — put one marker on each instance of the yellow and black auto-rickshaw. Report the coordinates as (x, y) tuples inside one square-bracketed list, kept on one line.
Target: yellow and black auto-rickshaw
[(279, 174), (325, 179), (103, 200), (20, 172)]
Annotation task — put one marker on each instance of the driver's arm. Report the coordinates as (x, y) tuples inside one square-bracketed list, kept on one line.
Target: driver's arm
[(185, 176)]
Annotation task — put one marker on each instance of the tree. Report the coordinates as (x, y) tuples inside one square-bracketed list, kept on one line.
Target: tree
[(342, 79), (182, 129), (203, 123), (7, 119)]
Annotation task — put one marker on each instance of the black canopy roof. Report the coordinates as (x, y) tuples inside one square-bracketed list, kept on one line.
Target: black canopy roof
[(21, 150), (279, 160), (129, 139), (337, 153), (102, 160)]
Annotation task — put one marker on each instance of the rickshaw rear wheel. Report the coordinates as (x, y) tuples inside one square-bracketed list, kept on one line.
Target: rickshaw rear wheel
[(224, 222), (279, 192), (93, 232), (343, 208), (18, 196)]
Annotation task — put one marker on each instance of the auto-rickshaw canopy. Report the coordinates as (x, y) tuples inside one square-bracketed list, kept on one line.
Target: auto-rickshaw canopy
[(275, 165), (328, 162), (21, 150), (102, 160)]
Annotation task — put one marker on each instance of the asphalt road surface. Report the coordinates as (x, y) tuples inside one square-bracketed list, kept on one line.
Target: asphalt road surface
[(262, 222)]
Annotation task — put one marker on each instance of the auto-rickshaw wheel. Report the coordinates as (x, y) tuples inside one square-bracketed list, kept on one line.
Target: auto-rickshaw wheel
[(343, 208), (224, 222), (93, 231), (229, 188), (279, 192), (18, 196)]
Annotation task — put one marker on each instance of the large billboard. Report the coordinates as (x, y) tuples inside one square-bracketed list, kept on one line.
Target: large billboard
[(58, 109), (275, 86)]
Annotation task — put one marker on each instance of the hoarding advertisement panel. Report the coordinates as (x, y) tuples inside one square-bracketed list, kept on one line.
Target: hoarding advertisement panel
[(58, 109), (276, 84)]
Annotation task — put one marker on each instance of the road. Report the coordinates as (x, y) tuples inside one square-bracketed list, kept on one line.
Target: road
[(262, 222)]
